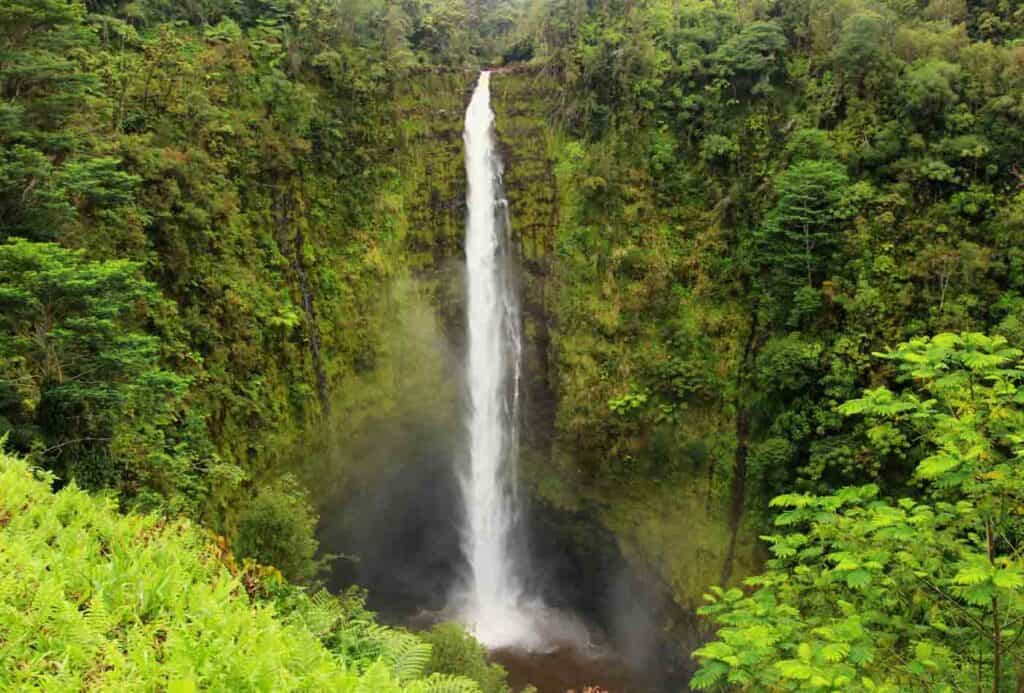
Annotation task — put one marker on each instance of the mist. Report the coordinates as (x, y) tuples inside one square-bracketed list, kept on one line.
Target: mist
[(390, 507)]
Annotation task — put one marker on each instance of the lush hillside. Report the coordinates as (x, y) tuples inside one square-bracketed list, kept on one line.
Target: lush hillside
[(91, 599), (209, 213), (230, 291), (752, 199)]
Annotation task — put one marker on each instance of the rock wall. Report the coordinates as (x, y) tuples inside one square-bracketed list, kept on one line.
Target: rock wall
[(397, 446), (677, 532)]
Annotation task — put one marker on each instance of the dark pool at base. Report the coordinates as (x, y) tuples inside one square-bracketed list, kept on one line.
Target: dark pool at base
[(569, 670), (593, 668)]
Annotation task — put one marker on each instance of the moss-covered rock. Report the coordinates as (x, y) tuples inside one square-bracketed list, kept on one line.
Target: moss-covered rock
[(663, 487)]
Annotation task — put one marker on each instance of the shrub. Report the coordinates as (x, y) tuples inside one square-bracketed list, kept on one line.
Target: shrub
[(276, 528), (93, 600), (457, 652)]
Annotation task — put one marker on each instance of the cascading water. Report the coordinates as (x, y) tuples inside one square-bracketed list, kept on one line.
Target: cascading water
[(493, 602), (492, 597)]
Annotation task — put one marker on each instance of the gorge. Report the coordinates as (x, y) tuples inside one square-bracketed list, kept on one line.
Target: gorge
[(579, 601), (329, 363)]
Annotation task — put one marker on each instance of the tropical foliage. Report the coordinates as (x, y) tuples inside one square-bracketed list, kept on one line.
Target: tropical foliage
[(921, 592), (194, 236), (751, 199), (94, 600), (723, 210)]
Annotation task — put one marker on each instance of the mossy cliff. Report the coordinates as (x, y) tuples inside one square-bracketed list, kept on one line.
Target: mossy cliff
[(595, 317), (591, 319), (413, 375)]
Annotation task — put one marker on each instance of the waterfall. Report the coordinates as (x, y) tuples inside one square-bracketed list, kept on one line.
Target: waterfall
[(492, 602)]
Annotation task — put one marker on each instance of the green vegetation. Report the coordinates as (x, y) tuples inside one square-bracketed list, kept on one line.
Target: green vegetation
[(209, 214), (227, 230), (754, 198), (93, 600), (456, 652), (85, 375), (200, 209), (919, 592)]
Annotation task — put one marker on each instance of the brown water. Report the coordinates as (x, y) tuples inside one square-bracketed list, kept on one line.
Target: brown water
[(569, 670)]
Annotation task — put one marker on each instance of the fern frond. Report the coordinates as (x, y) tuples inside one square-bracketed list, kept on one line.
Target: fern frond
[(97, 618), (323, 614), (445, 683), (407, 655)]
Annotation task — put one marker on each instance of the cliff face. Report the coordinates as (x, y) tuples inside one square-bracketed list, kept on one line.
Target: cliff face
[(381, 469), (673, 521), (428, 113), (393, 434), (522, 106)]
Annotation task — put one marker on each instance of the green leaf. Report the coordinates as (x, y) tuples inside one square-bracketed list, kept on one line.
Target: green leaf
[(794, 669), (858, 578), (979, 595), (937, 465), (973, 574), (835, 652), (1009, 578), (708, 675), (714, 650)]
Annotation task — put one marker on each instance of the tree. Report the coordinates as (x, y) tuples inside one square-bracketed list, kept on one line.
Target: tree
[(862, 45), (442, 32), (915, 593), (928, 90), (40, 85), (799, 234), (40, 89), (753, 57), (83, 382), (32, 201)]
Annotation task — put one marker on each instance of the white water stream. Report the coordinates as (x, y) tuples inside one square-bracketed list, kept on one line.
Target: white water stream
[(491, 605), (493, 602)]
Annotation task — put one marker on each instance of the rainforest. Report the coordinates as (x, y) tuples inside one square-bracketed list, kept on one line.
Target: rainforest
[(511, 346)]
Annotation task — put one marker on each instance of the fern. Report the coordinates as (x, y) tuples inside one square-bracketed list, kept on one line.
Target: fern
[(97, 618), (407, 655), (92, 599), (323, 614), (445, 683)]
